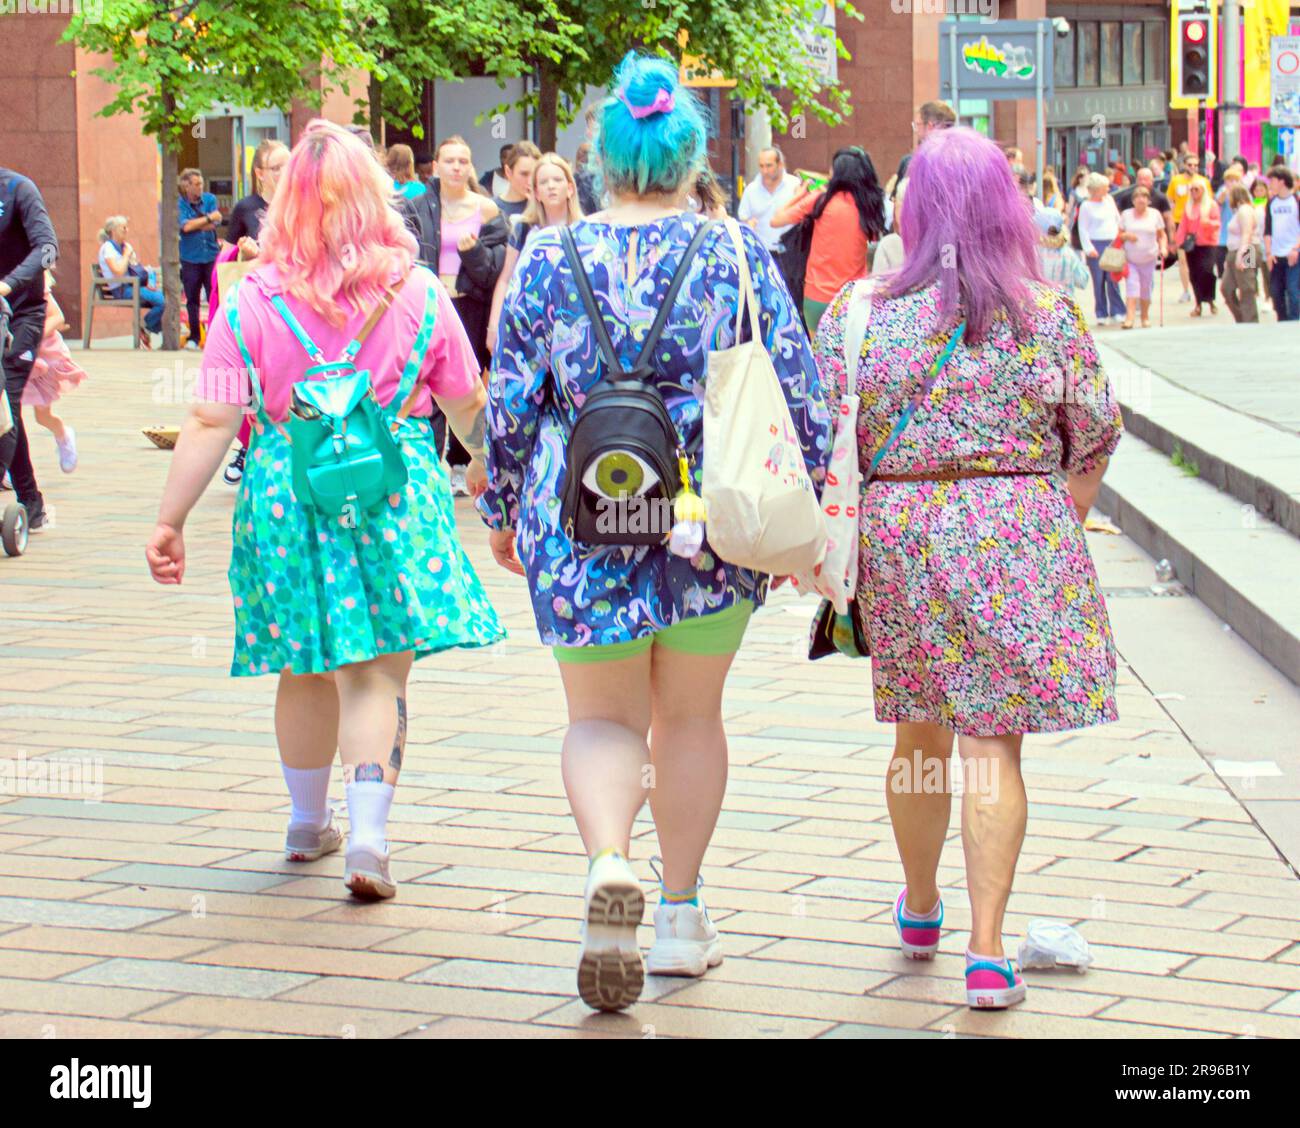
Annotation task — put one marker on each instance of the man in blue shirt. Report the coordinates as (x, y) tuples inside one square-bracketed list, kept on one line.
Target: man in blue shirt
[(199, 217)]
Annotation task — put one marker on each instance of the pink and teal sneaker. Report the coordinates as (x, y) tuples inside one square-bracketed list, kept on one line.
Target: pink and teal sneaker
[(992, 984), (917, 936)]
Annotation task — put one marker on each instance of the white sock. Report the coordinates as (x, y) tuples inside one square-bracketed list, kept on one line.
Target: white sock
[(309, 792), (368, 804)]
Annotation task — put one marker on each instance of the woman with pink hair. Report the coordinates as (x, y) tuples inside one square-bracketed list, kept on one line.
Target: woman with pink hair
[(336, 605), (979, 383)]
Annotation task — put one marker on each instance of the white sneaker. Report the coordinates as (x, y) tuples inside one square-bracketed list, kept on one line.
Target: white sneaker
[(610, 970), (686, 941), (458, 487), (67, 450), (1184, 297)]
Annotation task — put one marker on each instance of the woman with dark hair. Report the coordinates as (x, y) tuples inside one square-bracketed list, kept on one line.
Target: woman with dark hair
[(707, 197), (976, 591), (846, 217)]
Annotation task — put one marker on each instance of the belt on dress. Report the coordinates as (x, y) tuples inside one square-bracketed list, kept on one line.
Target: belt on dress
[(958, 475)]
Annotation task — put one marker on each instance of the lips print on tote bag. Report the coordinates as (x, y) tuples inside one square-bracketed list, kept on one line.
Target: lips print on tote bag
[(835, 577), (762, 511)]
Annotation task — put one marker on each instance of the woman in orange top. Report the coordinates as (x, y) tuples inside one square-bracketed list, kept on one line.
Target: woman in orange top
[(848, 215)]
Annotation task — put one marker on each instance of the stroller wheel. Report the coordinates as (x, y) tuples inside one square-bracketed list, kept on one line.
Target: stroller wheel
[(14, 530)]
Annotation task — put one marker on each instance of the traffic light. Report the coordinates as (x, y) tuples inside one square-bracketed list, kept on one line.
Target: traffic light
[(1195, 54)]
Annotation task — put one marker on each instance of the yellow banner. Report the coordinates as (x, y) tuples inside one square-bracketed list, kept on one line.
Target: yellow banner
[(1263, 20), (697, 71)]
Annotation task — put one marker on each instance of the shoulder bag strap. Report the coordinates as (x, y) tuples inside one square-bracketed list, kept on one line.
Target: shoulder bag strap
[(385, 302), (354, 346), (915, 401), (855, 330), (746, 299)]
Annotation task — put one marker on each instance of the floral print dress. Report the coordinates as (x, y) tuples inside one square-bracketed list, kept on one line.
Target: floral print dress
[(547, 361), (979, 596)]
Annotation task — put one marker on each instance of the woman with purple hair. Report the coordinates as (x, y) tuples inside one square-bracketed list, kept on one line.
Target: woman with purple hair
[(976, 589)]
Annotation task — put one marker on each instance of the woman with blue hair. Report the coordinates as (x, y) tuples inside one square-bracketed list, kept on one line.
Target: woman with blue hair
[(644, 633)]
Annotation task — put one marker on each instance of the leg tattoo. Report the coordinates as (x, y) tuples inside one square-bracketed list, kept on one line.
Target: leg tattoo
[(399, 741), (364, 773)]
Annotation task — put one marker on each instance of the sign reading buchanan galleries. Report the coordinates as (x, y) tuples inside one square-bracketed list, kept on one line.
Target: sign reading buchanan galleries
[(1083, 107)]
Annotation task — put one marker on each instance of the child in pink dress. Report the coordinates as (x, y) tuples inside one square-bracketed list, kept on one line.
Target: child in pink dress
[(53, 373)]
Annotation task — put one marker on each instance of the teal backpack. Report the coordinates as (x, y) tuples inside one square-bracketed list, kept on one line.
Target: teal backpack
[(346, 456)]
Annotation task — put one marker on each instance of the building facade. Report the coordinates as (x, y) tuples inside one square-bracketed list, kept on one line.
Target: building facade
[(1111, 97)]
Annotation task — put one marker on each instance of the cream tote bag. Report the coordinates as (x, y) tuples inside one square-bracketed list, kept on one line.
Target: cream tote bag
[(836, 576), (762, 511)]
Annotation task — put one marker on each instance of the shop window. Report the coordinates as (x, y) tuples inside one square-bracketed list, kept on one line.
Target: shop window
[(1065, 59), (1133, 54), (1110, 54), (1155, 42), (1088, 56)]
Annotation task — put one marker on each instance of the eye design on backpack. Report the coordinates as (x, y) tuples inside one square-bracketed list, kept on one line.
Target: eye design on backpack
[(619, 474)]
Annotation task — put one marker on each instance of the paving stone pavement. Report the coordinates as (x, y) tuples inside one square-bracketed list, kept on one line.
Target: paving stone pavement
[(165, 909)]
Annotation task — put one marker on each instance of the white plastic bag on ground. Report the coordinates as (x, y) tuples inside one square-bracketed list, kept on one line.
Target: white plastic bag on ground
[(1049, 943)]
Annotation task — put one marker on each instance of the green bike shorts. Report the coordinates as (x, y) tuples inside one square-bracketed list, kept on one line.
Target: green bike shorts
[(707, 635)]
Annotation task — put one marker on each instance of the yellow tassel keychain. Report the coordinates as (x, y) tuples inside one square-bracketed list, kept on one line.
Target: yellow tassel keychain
[(689, 513)]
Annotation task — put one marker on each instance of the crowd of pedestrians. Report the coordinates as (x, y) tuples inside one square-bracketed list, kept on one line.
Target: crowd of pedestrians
[(1233, 234)]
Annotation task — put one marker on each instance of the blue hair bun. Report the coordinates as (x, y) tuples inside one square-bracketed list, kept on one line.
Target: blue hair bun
[(657, 151)]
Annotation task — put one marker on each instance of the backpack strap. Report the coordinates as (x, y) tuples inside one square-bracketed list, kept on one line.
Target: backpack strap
[(670, 296), (230, 304), (407, 387), (354, 345), (295, 326), (612, 361)]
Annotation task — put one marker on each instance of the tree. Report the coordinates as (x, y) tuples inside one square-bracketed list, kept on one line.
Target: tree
[(174, 60), (751, 41), (569, 45), (412, 41)]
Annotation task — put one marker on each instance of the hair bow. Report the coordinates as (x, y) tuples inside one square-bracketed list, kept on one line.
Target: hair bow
[(663, 104)]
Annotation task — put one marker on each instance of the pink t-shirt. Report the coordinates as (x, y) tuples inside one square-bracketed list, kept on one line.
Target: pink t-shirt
[(1147, 229), (449, 369)]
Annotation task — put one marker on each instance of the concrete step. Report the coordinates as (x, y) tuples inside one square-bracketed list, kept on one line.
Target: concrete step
[(1250, 449), (1242, 566)]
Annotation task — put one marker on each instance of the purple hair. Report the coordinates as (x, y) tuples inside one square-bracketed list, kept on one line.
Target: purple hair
[(967, 226)]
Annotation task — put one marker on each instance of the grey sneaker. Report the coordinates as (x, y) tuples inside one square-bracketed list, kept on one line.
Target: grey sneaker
[(306, 844), (366, 875), (611, 972)]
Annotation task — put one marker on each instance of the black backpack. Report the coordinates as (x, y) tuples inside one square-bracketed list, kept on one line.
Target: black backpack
[(622, 470)]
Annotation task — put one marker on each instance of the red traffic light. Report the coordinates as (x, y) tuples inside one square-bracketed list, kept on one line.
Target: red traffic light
[(1194, 31)]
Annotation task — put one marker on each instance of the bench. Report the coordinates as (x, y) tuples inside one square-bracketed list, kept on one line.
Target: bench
[(127, 297)]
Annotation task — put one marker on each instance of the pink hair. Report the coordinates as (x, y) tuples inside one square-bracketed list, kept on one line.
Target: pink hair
[(331, 230), (967, 227)]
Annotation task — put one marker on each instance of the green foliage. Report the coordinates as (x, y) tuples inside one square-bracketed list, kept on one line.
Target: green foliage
[(751, 41), (1185, 464), (172, 62)]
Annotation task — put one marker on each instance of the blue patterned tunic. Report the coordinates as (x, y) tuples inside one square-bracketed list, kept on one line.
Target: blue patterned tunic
[(547, 361)]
